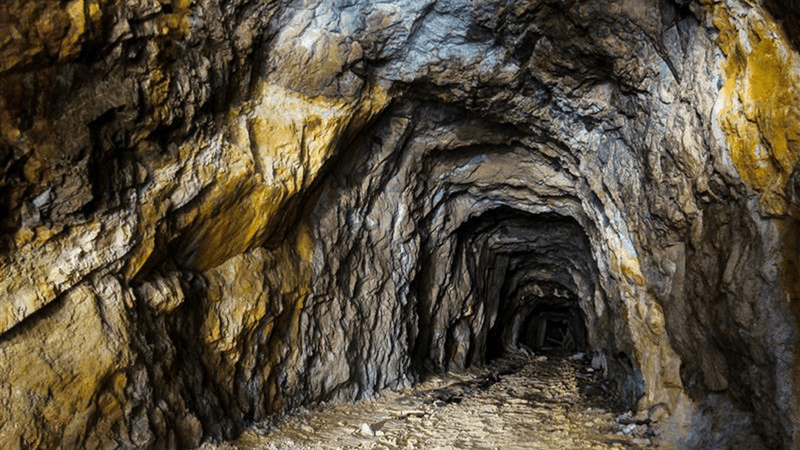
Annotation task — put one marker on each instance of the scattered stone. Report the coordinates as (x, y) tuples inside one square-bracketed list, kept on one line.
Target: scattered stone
[(226, 209), (366, 430), (600, 363), (414, 413), (503, 415), (577, 356)]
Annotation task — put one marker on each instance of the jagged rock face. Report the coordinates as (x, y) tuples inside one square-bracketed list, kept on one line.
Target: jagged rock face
[(215, 211)]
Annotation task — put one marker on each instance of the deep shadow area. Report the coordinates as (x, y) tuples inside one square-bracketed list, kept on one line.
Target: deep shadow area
[(554, 327), (787, 13), (529, 272)]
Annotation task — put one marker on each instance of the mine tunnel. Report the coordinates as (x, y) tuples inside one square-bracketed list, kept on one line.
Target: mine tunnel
[(217, 215), (553, 325), (531, 266)]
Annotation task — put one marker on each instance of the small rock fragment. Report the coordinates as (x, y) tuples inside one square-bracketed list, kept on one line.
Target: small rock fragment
[(366, 430)]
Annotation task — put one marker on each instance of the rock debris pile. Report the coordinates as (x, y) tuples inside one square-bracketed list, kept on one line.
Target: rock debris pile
[(513, 403)]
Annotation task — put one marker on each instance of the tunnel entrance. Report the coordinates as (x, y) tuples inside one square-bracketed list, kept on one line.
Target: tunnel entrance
[(544, 326), (551, 328), (524, 278)]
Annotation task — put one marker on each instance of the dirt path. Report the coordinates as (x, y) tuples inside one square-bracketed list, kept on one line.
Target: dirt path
[(515, 403)]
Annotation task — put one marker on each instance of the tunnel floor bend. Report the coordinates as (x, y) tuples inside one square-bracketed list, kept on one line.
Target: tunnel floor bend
[(515, 402)]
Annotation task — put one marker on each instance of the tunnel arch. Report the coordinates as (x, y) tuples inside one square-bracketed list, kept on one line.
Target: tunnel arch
[(259, 206), (534, 249), (449, 212)]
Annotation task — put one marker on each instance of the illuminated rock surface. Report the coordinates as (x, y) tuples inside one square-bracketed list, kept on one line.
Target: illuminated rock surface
[(213, 212)]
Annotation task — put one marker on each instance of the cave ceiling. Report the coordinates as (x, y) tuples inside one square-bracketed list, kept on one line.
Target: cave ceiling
[(242, 207)]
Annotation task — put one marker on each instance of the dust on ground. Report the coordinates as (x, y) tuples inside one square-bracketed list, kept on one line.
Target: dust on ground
[(516, 402)]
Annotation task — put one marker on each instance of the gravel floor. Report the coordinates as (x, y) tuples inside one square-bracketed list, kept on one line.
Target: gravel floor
[(513, 403)]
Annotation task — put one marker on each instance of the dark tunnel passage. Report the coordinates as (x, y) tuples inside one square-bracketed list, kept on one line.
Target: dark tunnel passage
[(554, 325), (215, 213), (529, 273), (466, 254), (548, 325)]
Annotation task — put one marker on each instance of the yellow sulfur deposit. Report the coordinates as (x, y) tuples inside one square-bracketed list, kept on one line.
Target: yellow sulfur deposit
[(761, 110)]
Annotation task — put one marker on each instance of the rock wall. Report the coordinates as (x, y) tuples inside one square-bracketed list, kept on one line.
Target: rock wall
[(215, 211)]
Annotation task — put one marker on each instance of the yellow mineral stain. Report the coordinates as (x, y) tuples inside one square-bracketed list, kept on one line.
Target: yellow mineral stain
[(761, 120), (159, 87), (212, 330), (140, 253), (23, 236), (45, 232), (95, 13), (287, 140), (655, 318), (293, 135), (760, 115), (77, 17), (632, 270), (305, 243), (176, 24), (181, 5), (11, 133), (626, 264), (107, 405), (227, 224), (69, 381)]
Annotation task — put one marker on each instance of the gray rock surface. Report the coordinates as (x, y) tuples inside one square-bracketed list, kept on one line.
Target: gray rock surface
[(216, 211)]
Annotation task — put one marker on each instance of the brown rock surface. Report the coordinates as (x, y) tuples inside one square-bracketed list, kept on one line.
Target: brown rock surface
[(212, 212)]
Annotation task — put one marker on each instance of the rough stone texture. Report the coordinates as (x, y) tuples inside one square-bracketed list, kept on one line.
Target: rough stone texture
[(513, 402), (214, 211)]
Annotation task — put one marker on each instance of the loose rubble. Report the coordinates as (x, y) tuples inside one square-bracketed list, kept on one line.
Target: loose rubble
[(515, 402), (213, 212)]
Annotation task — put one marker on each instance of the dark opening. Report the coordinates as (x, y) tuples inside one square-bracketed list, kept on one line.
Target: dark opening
[(494, 344), (541, 326), (529, 272), (554, 329)]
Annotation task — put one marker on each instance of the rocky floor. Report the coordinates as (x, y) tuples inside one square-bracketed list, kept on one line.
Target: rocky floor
[(514, 403)]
